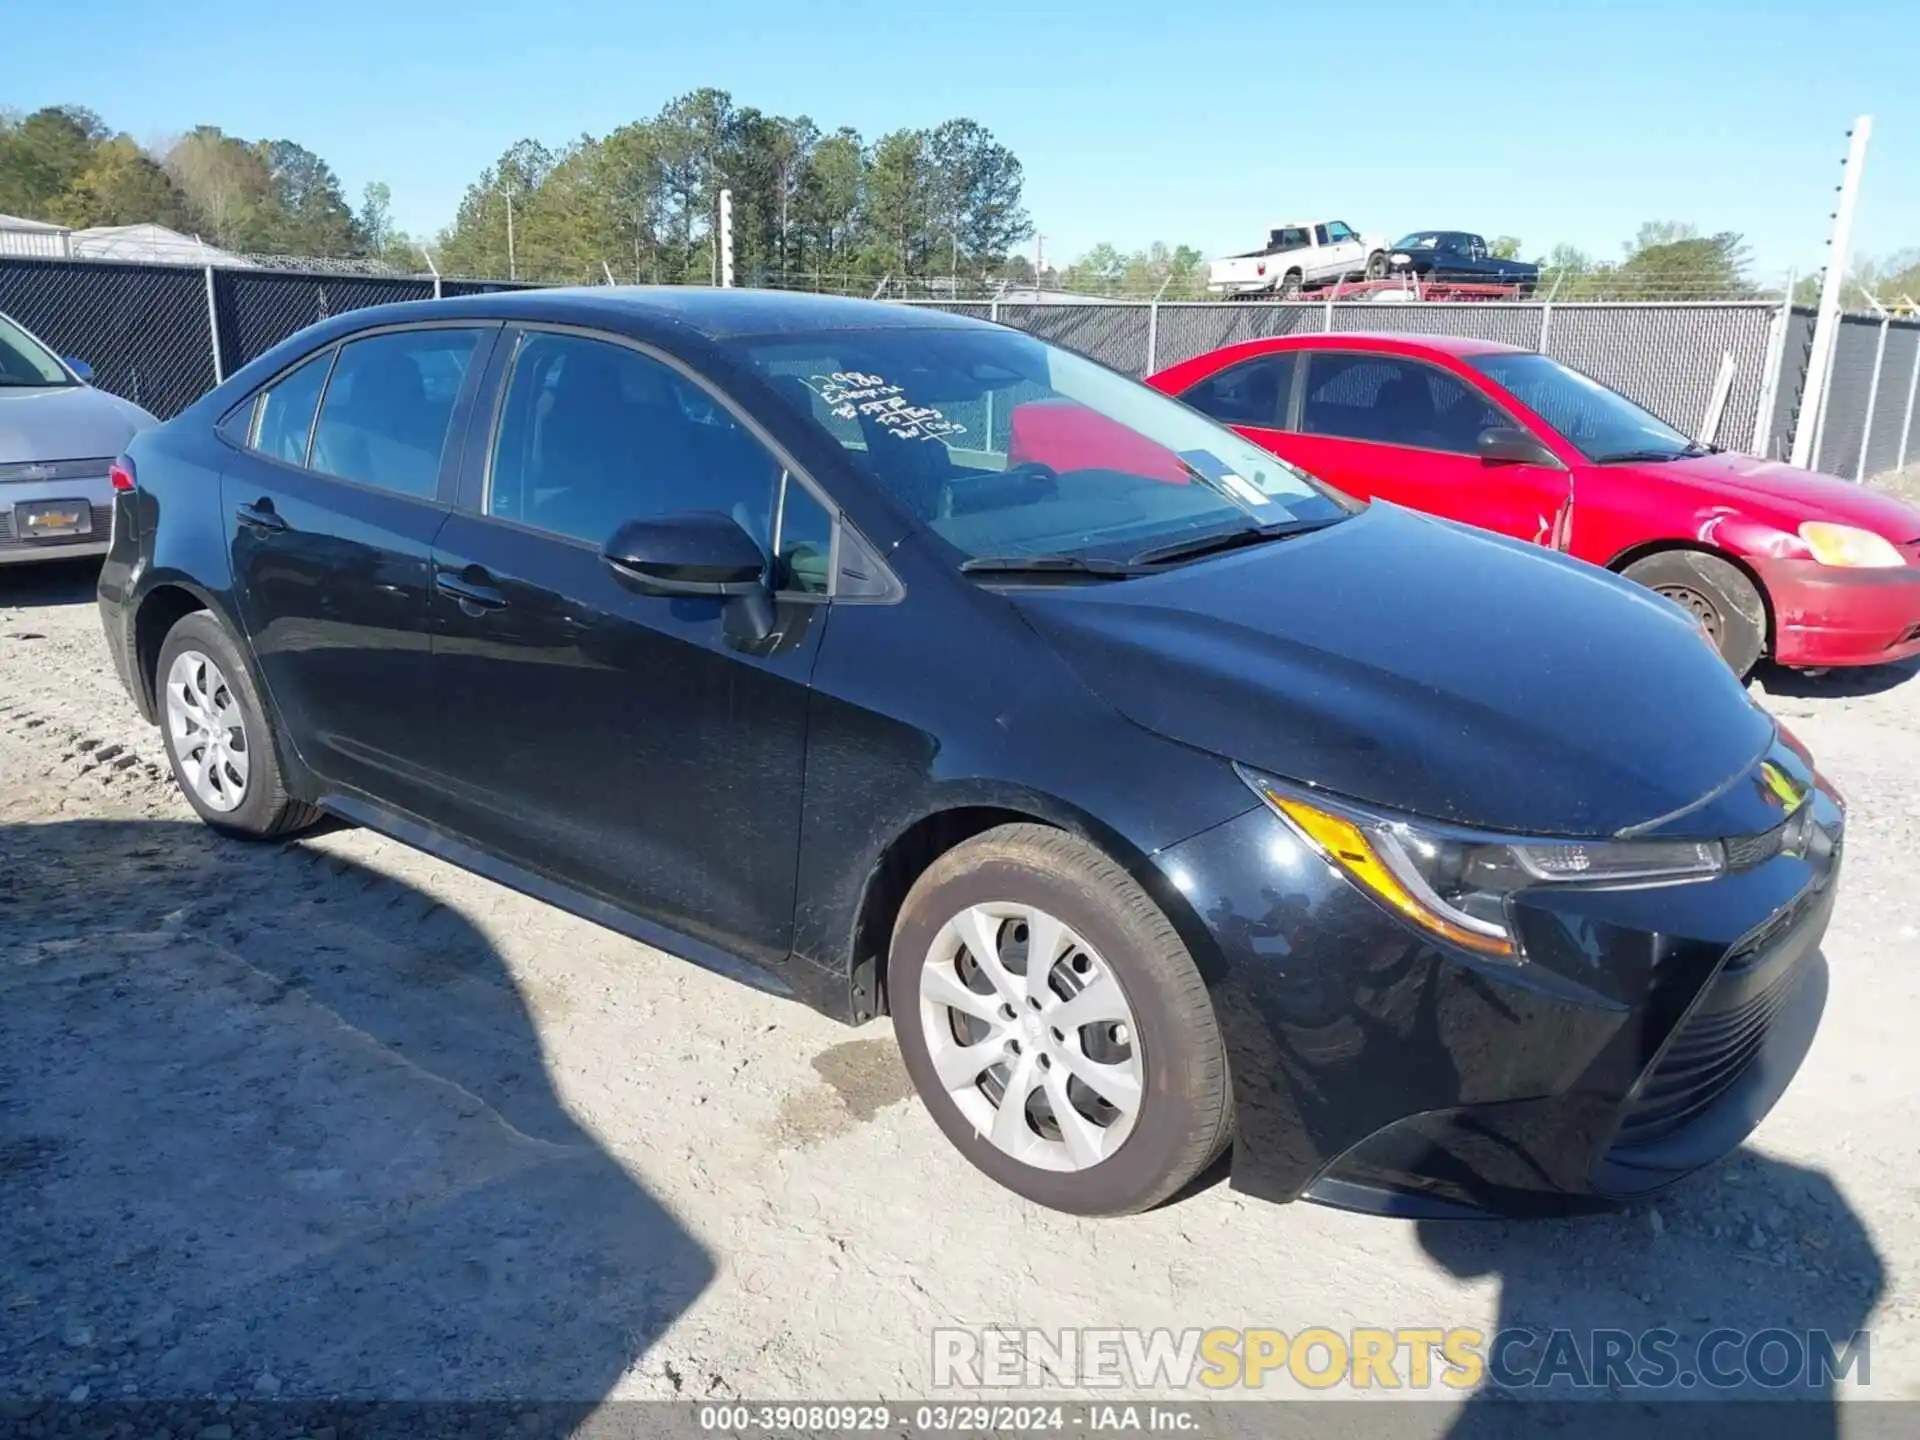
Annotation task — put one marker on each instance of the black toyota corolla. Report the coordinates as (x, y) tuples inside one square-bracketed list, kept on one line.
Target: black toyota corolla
[(1165, 798)]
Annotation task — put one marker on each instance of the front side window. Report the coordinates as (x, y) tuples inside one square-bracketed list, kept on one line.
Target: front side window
[(1254, 392), (1339, 231), (285, 412), (593, 435), (1602, 424), (1003, 445), (25, 363), (1391, 400), (389, 406)]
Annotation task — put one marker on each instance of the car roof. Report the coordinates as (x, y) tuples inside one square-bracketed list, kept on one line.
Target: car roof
[(1399, 343), (716, 314)]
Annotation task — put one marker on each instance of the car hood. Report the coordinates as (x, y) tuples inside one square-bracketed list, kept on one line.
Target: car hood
[(1794, 495), (74, 422), (1423, 667)]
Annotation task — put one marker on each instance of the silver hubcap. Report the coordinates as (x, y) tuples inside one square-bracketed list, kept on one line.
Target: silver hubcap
[(1031, 1036), (209, 737)]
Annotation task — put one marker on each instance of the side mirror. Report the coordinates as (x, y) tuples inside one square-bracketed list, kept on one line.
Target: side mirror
[(696, 553), (80, 368), (1501, 445)]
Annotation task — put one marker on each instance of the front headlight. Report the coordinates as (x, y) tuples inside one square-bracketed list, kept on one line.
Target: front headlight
[(1455, 884), (1400, 257), (1850, 546)]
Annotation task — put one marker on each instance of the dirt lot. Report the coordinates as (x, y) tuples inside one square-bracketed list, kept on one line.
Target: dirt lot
[(335, 1119)]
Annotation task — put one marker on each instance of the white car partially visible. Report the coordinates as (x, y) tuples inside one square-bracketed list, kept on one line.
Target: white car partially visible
[(59, 437)]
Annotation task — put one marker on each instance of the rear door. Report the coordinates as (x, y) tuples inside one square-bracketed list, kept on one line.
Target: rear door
[(1395, 428), (341, 478), (1253, 397), (628, 745)]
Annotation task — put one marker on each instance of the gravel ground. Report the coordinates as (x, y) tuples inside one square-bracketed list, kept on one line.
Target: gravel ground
[(334, 1119)]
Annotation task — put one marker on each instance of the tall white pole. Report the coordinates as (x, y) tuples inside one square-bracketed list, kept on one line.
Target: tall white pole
[(726, 238), (1813, 396), (512, 273)]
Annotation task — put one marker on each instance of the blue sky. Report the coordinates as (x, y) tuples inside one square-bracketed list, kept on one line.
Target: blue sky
[(1204, 122)]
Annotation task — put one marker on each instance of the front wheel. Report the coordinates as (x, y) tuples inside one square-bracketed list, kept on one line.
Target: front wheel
[(1717, 594), (1055, 1025), (1377, 265)]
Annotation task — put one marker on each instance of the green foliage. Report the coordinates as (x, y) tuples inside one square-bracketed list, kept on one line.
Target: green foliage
[(1666, 260), (809, 207), (61, 164), (1504, 247)]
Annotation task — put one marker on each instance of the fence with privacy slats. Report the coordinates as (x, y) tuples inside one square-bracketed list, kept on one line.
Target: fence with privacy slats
[(163, 335)]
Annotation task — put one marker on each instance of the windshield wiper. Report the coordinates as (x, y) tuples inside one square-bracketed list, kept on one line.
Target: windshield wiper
[(1050, 565), (1692, 450), (1229, 540)]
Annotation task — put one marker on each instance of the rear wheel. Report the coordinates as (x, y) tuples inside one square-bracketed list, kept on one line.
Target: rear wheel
[(1290, 285), (217, 737), (1055, 1025), (1717, 593)]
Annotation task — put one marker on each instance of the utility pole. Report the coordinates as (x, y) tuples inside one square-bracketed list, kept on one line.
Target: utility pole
[(726, 238), (511, 273), (1039, 258), (1826, 325)]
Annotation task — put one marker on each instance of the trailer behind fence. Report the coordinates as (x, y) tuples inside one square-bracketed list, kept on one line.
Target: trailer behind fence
[(163, 335)]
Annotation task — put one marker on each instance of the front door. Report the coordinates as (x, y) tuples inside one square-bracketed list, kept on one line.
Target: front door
[(630, 746), (1400, 429), (332, 501)]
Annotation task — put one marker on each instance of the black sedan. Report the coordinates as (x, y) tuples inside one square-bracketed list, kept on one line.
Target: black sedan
[(1166, 799), (1459, 257)]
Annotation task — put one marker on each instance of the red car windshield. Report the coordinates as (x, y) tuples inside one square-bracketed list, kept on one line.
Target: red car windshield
[(1006, 446), (1601, 424)]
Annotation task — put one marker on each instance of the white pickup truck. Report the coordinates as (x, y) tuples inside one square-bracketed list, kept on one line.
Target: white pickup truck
[(1298, 255)]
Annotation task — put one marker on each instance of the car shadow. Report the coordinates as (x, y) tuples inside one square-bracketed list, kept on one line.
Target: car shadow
[(1836, 684), (49, 582), (274, 1125), (1756, 1244)]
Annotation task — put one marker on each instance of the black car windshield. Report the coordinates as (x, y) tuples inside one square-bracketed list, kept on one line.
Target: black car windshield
[(1601, 424), (1006, 446), (24, 361), (1431, 240)]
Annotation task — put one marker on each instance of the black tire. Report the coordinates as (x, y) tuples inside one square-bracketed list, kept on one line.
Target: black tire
[(1290, 285), (1377, 265), (265, 810), (1717, 593), (1185, 1113)]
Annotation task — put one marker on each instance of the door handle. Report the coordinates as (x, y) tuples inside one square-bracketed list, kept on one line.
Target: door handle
[(260, 515), (475, 597)]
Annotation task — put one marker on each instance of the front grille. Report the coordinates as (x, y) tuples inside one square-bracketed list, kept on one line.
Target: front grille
[(102, 528), (1708, 1055), (1746, 851)]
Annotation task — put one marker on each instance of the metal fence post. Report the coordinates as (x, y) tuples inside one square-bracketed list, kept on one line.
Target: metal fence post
[(1328, 326), (1153, 333), (1546, 324), (1771, 371), (1913, 388), (993, 311), (1810, 429), (213, 330), (1873, 399)]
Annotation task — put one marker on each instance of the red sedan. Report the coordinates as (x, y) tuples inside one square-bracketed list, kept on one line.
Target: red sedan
[(1811, 570)]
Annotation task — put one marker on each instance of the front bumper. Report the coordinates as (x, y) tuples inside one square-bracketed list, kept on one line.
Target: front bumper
[(1645, 1035), (18, 547), (1830, 615)]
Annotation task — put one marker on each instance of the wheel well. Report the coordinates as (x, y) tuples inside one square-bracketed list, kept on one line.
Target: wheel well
[(162, 609), (1620, 562), (904, 862)]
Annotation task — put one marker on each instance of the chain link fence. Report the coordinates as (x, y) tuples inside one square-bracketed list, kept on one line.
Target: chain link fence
[(163, 335)]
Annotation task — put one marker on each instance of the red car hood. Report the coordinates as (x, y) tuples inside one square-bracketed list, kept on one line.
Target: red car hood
[(1798, 494)]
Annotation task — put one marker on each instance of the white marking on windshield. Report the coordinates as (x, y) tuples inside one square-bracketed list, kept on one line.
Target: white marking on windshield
[(853, 394)]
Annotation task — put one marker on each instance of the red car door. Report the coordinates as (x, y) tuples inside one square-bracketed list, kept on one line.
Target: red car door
[(1377, 424)]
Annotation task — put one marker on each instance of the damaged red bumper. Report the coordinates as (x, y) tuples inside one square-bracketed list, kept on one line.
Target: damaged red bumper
[(1828, 615)]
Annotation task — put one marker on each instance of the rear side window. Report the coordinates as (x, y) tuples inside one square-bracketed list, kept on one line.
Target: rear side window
[(1254, 392), (1393, 401), (389, 406), (285, 412)]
